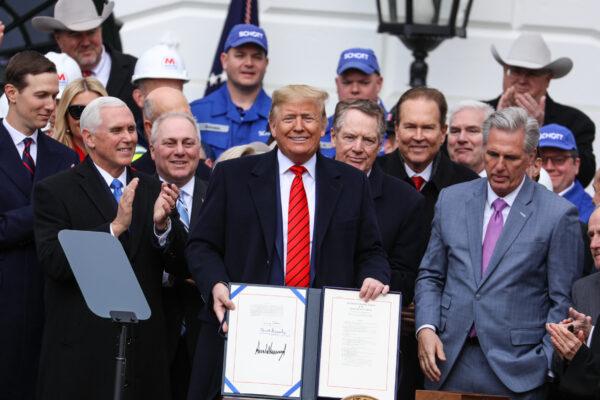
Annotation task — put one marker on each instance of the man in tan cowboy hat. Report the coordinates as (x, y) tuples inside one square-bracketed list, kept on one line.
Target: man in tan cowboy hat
[(528, 70), (76, 27)]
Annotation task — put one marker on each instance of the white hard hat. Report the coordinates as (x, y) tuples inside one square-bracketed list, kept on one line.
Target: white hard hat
[(162, 61), (67, 69)]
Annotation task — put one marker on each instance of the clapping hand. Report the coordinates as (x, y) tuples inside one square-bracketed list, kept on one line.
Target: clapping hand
[(165, 203), (125, 209)]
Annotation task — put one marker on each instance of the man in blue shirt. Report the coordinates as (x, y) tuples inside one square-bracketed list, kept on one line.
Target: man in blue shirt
[(561, 160), (238, 111), (358, 78)]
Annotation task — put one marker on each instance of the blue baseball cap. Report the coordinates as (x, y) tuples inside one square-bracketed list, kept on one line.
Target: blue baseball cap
[(363, 60), (246, 33), (557, 136)]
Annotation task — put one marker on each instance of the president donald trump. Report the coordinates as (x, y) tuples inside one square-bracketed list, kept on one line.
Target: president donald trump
[(484, 293), (288, 217)]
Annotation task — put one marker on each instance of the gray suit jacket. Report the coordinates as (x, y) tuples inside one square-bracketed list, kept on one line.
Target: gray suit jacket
[(586, 295), (537, 258)]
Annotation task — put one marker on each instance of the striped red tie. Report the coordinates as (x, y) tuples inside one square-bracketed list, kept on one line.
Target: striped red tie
[(297, 269), (26, 157), (418, 181)]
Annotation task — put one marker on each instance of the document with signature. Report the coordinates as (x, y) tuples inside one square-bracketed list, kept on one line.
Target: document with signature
[(264, 347), (359, 345)]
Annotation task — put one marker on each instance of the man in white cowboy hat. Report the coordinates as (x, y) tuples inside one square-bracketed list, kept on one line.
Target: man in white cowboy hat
[(528, 70), (76, 27)]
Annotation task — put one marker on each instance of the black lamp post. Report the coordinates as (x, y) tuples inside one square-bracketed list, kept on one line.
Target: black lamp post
[(422, 25)]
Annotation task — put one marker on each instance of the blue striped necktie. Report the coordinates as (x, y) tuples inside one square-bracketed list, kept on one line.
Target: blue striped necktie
[(116, 186), (184, 215)]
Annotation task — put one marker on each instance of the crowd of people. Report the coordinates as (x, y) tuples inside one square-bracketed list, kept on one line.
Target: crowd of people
[(477, 215)]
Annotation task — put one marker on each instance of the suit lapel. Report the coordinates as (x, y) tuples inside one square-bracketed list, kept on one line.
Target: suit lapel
[(11, 164), (47, 163), (596, 336), (139, 218), (519, 214), (376, 182), (197, 199), (118, 72), (97, 191), (261, 185), (328, 188), (475, 207)]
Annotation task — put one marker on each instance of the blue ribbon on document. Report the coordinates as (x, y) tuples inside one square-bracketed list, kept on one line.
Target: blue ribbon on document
[(298, 384), (298, 295), (237, 291), (230, 386), (293, 389)]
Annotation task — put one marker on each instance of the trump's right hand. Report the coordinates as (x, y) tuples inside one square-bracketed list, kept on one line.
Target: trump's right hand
[(221, 303), (430, 348)]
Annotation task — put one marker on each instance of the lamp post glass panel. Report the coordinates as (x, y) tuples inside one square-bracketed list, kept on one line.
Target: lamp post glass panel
[(422, 25)]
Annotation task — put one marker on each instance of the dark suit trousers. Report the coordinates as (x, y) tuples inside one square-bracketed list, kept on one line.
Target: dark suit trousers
[(205, 382)]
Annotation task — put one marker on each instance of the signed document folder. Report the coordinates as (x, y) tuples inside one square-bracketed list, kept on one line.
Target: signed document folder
[(296, 343)]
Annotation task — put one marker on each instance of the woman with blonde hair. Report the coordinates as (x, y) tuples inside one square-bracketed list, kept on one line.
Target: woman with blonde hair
[(75, 97)]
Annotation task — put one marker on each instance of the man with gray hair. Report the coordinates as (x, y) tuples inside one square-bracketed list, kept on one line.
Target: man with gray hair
[(483, 297), (465, 134), (104, 194), (158, 102), (357, 134), (175, 148)]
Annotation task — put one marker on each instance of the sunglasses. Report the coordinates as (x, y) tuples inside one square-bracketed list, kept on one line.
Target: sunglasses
[(75, 111)]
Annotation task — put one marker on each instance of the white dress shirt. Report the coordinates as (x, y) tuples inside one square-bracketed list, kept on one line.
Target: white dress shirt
[(108, 178), (489, 210), (17, 138), (186, 193), (102, 70), (286, 177), (425, 174)]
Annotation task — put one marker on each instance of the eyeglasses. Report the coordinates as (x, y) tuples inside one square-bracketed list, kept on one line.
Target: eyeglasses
[(526, 72), (557, 160), (75, 111)]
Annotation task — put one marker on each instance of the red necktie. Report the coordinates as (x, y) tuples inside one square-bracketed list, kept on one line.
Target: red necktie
[(26, 156), (297, 268), (418, 181), (86, 73)]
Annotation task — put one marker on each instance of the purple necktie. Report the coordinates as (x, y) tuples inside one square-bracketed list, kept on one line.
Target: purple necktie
[(492, 233)]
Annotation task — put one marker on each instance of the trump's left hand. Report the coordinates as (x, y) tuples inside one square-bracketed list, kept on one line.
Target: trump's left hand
[(164, 204), (372, 288)]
